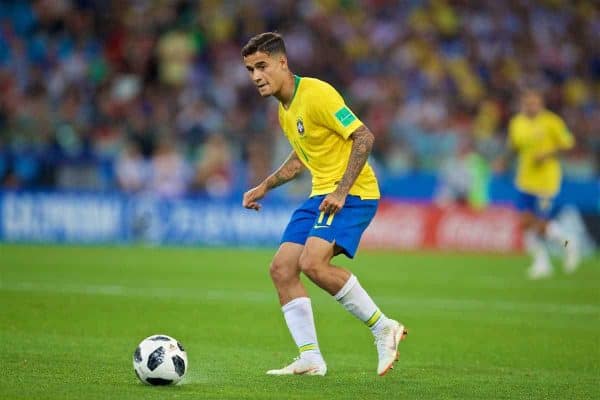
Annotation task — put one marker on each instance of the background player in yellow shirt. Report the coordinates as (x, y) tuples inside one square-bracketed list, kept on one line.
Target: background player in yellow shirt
[(538, 137), (333, 144)]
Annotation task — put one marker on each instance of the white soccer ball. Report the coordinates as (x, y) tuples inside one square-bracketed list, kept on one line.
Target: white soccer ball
[(160, 360)]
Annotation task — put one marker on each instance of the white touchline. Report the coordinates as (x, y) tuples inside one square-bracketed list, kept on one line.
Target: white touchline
[(234, 295)]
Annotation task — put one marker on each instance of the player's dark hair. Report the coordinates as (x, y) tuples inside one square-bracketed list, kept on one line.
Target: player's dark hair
[(267, 42)]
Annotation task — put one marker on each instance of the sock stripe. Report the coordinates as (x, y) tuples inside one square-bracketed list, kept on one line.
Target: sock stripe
[(307, 347), (374, 318)]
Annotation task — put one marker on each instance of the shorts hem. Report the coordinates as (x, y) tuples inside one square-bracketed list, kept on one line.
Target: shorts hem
[(345, 249)]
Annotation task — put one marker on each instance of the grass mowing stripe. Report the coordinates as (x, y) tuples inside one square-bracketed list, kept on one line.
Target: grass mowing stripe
[(71, 318), (267, 297)]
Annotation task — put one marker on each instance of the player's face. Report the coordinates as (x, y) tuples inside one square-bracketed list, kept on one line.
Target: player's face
[(266, 71), (532, 104)]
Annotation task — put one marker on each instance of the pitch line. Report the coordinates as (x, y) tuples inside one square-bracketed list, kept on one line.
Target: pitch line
[(236, 296)]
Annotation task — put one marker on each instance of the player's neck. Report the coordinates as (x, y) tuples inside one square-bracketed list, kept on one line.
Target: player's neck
[(287, 91), (533, 115)]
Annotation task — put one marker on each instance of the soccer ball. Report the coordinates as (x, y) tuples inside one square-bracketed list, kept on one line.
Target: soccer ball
[(160, 360)]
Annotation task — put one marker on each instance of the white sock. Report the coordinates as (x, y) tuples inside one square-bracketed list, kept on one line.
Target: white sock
[(299, 318), (556, 233), (535, 247), (358, 302)]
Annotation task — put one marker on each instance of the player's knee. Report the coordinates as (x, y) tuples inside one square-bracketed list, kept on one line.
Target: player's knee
[(309, 265), (281, 271)]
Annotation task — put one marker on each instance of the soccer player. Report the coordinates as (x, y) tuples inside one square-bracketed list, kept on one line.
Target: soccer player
[(539, 137), (333, 144)]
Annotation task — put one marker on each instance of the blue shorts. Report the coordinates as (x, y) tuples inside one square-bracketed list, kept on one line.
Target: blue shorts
[(537, 205), (344, 228)]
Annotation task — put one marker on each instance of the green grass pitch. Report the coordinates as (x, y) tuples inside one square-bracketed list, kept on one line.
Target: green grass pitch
[(70, 319)]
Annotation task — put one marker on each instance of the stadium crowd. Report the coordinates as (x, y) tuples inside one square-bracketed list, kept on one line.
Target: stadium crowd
[(152, 96)]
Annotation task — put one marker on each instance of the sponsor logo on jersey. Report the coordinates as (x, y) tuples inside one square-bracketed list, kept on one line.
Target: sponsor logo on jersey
[(345, 116)]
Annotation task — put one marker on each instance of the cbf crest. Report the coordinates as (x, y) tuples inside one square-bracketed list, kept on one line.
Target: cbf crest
[(300, 126)]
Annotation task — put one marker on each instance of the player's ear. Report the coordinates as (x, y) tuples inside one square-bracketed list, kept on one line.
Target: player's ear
[(283, 62)]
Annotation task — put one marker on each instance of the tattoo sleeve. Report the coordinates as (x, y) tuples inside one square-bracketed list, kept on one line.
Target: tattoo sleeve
[(362, 143), (291, 168)]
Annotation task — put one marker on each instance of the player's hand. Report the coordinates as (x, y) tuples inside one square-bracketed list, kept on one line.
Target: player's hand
[(252, 196), (332, 203)]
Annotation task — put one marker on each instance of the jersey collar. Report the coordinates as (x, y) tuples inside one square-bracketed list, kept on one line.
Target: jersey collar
[(296, 84)]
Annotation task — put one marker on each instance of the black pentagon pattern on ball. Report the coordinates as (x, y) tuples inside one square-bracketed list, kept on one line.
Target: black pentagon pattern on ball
[(137, 356), (156, 358), (179, 365), (159, 338), (159, 381), (180, 346)]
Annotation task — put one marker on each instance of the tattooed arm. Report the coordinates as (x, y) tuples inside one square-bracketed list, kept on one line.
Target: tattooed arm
[(362, 143), (290, 169)]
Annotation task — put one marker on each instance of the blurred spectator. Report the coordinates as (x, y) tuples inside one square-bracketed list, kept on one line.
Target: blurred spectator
[(214, 171), (176, 50), (81, 80), (168, 171), (464, 178), (131, 169)]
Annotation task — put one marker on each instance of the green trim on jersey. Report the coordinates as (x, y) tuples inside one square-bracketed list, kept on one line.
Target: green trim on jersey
[(302, 150), (296, 84)]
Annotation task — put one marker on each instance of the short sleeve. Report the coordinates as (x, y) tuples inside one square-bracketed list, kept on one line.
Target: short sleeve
[(563, 137), (329, 110)]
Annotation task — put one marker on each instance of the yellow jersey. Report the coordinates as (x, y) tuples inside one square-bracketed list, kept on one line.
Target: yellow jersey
[(318, 125), (530, 137)]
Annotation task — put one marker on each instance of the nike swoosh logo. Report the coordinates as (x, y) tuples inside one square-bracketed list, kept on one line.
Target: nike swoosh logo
[(395, 344), (300, 372)]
